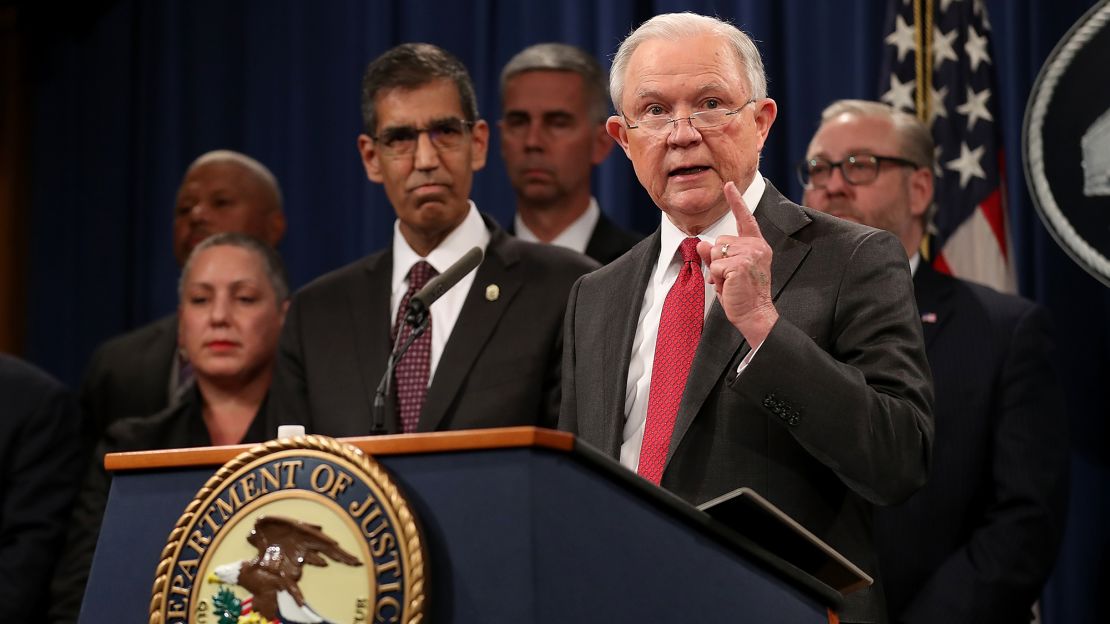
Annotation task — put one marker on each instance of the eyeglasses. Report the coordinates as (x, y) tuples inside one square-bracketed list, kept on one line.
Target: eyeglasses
[(445, 134), (856, 169), (700, 120)]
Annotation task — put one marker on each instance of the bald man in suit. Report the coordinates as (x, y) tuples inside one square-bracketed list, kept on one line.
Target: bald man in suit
[(139, 373)]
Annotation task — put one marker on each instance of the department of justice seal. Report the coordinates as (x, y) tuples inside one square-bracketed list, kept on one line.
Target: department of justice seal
[(297, 530), (1067, 142)]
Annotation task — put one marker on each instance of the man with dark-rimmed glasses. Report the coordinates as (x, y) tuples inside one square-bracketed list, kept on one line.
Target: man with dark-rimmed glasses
[(491, 355), (988, 522)]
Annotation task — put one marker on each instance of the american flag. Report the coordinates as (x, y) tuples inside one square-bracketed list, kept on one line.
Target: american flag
[(937, 64)]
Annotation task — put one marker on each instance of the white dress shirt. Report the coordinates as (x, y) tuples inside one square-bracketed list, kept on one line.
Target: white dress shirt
[(663, 276), (470, 233), (576, 236)]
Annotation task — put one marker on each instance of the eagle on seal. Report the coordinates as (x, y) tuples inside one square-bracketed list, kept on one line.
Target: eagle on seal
[(284, 547)]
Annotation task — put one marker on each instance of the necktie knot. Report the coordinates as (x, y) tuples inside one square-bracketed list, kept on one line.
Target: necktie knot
[(689, 250), (419, 275)]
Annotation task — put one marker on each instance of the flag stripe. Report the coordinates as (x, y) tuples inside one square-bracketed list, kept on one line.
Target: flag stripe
[(947, 79)]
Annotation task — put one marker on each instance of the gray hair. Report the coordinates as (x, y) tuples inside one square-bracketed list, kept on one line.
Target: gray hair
[(259, 171), (565, 58), (913, 135), (271, 261), (413, 65), (915, 139), (674, 26)]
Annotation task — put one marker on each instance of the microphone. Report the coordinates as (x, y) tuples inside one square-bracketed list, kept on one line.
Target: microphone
[(417, 316), (440, 284)]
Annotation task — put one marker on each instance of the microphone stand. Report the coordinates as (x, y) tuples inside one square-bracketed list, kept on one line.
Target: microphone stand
[(419, 321), (417, 317)]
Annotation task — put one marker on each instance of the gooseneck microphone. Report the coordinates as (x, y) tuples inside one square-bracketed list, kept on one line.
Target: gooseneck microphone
[(434, 289), (417, 316)]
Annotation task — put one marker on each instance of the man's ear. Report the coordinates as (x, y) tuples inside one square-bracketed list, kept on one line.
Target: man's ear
[(602, 145), (616, 129), (275, 227), (479, 144), (921, 190), (371, 158), (766, 111)]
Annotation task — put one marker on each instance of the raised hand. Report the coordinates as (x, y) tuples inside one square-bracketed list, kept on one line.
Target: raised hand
[(740, 271)]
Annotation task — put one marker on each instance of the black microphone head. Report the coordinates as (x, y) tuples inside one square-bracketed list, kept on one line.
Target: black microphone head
[(440, 284)]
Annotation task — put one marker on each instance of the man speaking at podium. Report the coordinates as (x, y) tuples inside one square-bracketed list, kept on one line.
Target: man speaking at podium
[(491, 356), (779, 351)]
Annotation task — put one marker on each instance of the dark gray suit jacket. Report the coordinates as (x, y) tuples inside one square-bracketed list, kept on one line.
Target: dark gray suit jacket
[(831, 416), (979, 540), (608, 241), (501, 365), (40, 469), (129, 376)]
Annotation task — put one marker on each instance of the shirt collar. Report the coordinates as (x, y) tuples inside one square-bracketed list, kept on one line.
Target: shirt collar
[(472, 232), (576, 235)]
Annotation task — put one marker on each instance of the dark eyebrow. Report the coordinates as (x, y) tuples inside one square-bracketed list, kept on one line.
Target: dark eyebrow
[(433, 122)]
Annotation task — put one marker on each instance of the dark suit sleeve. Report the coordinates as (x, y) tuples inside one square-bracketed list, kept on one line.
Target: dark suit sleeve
[(553, 381), (288, 400), (861, 404), (568, 408), (68, 586), (40, 474), (999, 571)]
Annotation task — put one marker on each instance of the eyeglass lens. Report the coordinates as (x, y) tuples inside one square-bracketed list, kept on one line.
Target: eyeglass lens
[(446, 134), (855, 169)]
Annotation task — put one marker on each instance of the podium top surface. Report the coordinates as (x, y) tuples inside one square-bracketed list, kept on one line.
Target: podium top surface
[(398, 444)]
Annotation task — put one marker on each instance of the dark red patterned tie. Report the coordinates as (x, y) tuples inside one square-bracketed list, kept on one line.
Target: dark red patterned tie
[(411, 374), (679, 331)]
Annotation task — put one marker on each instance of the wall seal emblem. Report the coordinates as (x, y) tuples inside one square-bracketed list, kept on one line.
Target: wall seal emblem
[(1066, 141)]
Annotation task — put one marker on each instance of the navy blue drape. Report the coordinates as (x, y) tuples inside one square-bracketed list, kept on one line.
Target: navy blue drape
[(128, 92)]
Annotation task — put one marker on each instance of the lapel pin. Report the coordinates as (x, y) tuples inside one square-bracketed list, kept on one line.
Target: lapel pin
[(493, 291), (929, 317)]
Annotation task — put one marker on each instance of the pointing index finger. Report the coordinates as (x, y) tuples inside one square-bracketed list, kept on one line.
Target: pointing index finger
[(746, 225)]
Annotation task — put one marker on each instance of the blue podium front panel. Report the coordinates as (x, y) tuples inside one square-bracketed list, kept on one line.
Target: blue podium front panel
[(513, 535)]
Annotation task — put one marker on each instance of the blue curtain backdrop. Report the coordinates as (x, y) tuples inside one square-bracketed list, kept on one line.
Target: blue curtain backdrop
[(128, 92)]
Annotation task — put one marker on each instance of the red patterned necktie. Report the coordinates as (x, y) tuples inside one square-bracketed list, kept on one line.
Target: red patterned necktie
[(412, 372), (679, 331)]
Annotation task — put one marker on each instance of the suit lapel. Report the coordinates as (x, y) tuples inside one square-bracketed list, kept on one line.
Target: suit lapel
[(722, 346), (624, 308), (369, 309), (933, 293), (477, 321)]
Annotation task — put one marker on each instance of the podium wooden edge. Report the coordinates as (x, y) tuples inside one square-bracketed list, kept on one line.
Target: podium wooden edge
[(399, 444)]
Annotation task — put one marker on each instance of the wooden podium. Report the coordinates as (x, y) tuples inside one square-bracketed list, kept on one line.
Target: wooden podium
[(520, 525)]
